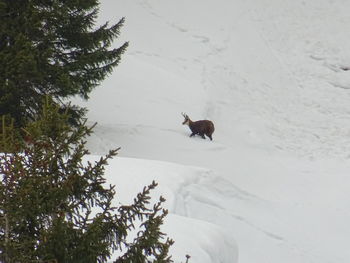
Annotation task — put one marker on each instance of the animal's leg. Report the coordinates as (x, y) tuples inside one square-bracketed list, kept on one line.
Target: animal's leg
[(202, 135), (193, 134)]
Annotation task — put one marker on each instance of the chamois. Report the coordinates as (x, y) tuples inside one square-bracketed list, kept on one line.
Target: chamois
[(202, 127)]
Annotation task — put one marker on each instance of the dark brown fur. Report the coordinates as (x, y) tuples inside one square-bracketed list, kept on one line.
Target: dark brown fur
[(202, 127)]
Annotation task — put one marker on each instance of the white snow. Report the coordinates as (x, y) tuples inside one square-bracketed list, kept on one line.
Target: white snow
[(273, 185)]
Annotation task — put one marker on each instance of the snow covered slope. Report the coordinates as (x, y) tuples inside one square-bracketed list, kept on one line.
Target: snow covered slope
[(273, 76), (205, 242)]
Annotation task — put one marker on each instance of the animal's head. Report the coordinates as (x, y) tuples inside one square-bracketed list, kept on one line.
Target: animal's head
[(186, 120)]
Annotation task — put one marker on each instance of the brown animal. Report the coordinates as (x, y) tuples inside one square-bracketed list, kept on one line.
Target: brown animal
[(202, 127)]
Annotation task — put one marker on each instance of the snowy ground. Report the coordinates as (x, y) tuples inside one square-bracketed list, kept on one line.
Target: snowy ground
[(273, 76)]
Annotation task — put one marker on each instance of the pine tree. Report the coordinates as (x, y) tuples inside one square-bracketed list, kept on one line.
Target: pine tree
[(52, 48), (54, 207)]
